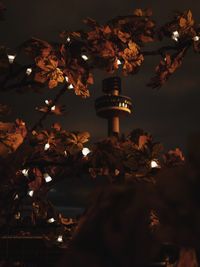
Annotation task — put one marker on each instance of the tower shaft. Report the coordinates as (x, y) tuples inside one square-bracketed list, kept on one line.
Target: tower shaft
[(113, 126)]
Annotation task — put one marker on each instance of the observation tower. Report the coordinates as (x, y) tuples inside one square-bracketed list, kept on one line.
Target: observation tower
[(112, 105)]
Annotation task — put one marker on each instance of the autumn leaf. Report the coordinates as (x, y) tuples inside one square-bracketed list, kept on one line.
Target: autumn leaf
[(107, 30), (56, 126), (35, 47), (49, 71), (11, 137), (145, 38), (166, 68), (108, 49), (174, 158), (186, 20), (123, 36), (138, 12), (90, 22), (143, 140)]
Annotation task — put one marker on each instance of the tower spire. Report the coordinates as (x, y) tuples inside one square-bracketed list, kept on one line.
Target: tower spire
[(112, 105)]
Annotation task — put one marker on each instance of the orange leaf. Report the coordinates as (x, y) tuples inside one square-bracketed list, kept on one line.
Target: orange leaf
[(138, 12)]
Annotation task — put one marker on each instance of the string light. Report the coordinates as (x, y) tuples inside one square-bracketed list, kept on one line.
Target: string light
[(25, 172), (84, 57), (28, 71), (65, 153), (17, 215), (68, 39), (66, 79), (70, 86), (85, 151), (47, 178), (60, 239), (30, 193), (47, 102), (16, 197), (196, 38), (154, 164), (11, 58), (119, 62), (53, 108), (51, 220), (175, 36), (47, 146)]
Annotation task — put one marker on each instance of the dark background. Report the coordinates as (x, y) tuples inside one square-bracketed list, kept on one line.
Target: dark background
[(171, 114)]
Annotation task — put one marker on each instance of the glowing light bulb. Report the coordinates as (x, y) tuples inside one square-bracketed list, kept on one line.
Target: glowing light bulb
[(28, 71), (60, 239), (11, 58), (53, 108), (47, 146), (17, 215), (175, 36), (51, 220), (25, 172), (65, 153), (70, 86), (154, 164), (85, 151), (16, 197), (196, 38), (68, 39), (47, 102), (30, 193), (119, 62), (47, 178), (66, 79), (84, 57)]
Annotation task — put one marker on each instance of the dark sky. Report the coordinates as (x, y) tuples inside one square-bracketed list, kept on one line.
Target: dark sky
[(170, 114)]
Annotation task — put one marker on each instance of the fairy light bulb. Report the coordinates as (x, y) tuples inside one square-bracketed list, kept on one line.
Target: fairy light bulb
[(30, 193), (47, 102), (175, 36), (196, 38), (119, 62), (28, 71), (53, 108), (46, 147), (84, 57), (51, 220), (60, 239), (17, 215), (16, 197), (47, 178), (25, 172), (154, 164), (11, 58), (70, 86), (85, 151)]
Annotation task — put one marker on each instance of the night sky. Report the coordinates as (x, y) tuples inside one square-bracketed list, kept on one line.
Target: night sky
[(171, 114)]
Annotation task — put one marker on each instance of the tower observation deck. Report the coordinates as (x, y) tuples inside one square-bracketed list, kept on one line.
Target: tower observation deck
[(112, 104)]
